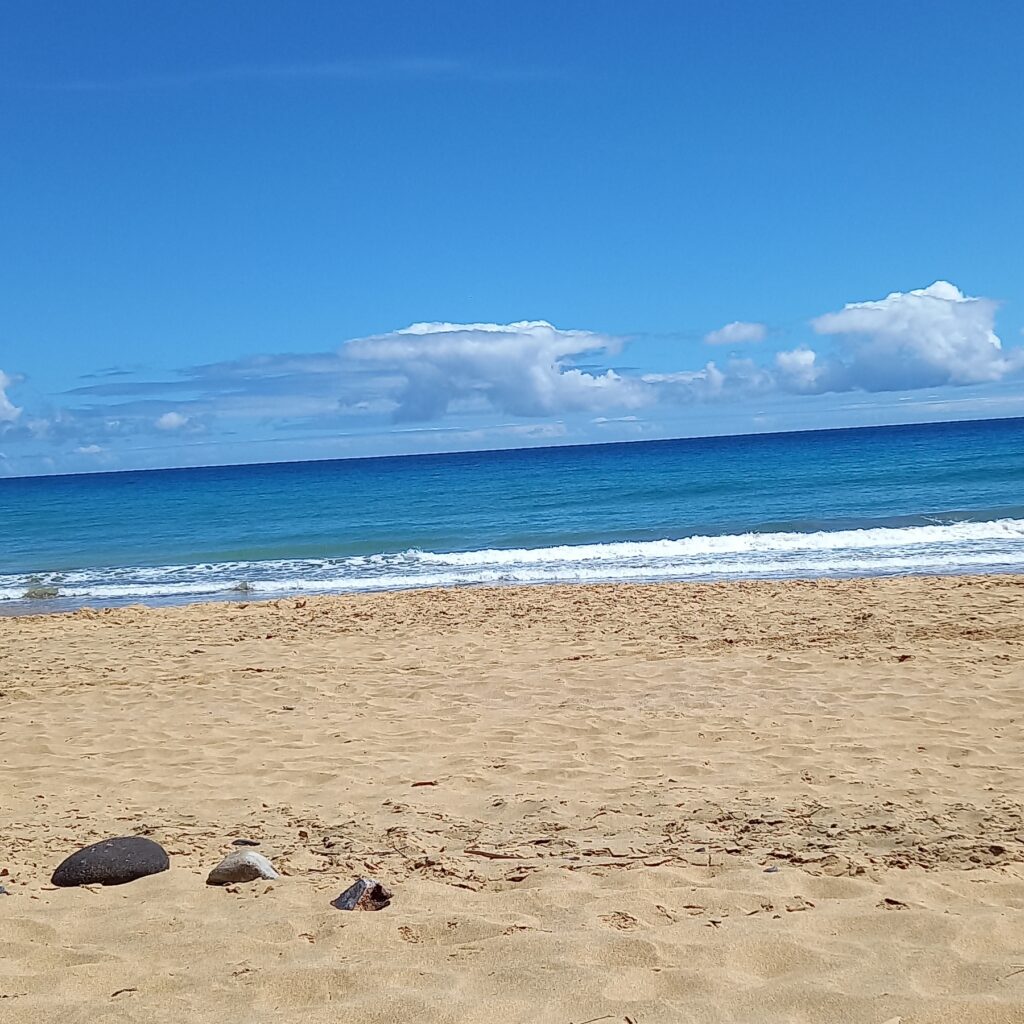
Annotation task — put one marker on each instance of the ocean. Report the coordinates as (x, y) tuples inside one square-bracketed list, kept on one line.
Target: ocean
[(933, 498)]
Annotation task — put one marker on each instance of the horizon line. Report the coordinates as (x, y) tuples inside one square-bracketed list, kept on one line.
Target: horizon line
[(517, 448)]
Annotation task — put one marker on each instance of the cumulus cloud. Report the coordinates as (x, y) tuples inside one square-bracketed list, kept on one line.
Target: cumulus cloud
[(196, 421), (532, 370), (917, 339), (802, 372), (171, 421), (521, 369), (9, 412), (739, 332), (907, 341)]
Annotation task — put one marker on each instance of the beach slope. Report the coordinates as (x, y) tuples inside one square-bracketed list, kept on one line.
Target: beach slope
[(768, 802)]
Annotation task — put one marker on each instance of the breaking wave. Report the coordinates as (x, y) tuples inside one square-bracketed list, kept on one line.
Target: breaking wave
[(993, 546)]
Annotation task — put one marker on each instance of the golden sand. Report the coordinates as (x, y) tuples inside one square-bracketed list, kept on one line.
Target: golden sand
[(772, 802)]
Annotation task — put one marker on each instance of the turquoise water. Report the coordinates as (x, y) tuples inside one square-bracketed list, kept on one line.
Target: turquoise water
[(936, 498)]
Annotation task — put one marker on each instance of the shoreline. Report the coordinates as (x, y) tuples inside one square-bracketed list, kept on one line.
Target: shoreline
[(750, 800), (941, 544), (863, 611), (48, 607)]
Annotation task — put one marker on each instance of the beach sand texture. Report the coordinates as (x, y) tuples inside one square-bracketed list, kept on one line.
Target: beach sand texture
[(760, 802)]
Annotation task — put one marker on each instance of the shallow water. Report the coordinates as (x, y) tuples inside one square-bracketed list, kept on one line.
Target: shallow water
[(936, 498)]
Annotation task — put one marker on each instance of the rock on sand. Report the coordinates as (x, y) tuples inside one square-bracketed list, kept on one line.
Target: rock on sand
[(241, 866), (112, 862)]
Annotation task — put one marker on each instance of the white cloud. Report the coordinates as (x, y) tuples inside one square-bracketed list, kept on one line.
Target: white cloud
[(801, 371), (521, 369), (9, 412), (739, 332), (907, 341), (738, 378), (923, 338), (910, 341), (171, 421)]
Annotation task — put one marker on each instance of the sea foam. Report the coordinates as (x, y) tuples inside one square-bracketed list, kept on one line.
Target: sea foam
[(992, 546)]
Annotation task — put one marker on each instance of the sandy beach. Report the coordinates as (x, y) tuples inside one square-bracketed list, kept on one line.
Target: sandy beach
[(764, 802)]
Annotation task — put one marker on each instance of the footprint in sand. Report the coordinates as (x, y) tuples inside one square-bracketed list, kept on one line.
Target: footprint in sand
[(621, 921)]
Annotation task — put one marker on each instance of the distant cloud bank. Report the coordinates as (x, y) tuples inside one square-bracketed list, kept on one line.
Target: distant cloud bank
[(427, 372)]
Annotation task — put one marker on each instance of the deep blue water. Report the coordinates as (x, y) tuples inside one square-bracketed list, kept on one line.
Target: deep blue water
[(930, 498)]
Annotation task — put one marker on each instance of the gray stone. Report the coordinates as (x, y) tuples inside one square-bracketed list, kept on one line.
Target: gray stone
[(112, 862), (363, 894), (241, 866)]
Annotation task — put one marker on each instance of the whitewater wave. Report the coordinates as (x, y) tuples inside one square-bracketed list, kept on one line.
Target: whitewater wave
[(745, 543), (994, 546)]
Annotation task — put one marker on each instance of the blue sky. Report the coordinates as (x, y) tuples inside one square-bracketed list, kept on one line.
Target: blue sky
[(219, 221)]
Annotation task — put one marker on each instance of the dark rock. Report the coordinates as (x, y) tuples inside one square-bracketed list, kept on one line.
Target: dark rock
[(3, 891), (241, 866), (112, 862), (245, 842), (363, 894)]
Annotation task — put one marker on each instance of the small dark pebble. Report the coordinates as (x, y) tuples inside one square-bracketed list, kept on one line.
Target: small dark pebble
[(771, 870), (4, 892), (245, 842)]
